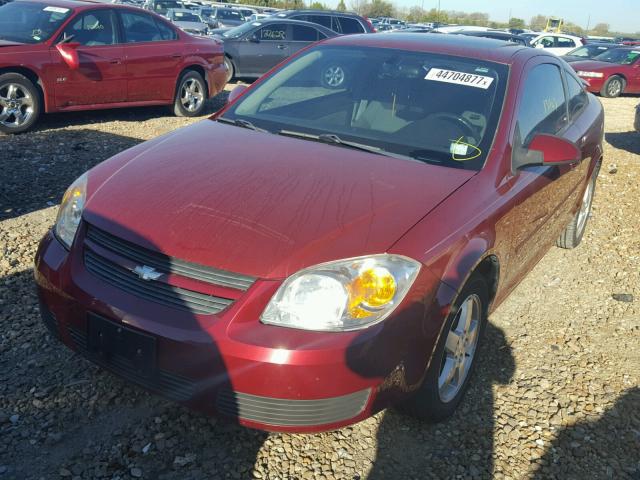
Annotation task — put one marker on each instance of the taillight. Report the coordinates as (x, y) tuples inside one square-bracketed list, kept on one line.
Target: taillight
[(373, 29)]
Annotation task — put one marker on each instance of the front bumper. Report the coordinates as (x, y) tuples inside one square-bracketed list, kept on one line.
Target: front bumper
[(594, 85), (265, 377), (216, 78)]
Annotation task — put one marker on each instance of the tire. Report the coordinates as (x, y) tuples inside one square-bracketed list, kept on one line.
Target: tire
[(231, 71), (20, 103), (613, 87), (573, 233), (431, 402), (191, 95)]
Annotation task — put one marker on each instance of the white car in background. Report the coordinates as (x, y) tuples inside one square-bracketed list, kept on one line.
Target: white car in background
[(557, 43)]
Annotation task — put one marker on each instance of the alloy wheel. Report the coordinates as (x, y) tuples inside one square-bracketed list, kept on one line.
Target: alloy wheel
[(614, 88), (192, 95), (334, 76), (460, 348), (585, 208), (16, 105)]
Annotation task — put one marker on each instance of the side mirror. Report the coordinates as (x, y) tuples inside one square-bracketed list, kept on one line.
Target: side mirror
[(254, 38), (69, 54), (236, 92), (545, 150), (539, 45)]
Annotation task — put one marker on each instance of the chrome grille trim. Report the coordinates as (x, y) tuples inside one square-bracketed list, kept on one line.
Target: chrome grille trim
[(158, 292), (166, 264), (289, 412)]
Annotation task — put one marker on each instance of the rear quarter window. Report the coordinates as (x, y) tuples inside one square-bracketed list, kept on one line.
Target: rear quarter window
[(349, 25)]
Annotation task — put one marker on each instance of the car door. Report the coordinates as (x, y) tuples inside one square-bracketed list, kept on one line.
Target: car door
[(540, 194), (564, 45), (303, 35), (262, 49), (153, 56), (633, 75), (100, 78)]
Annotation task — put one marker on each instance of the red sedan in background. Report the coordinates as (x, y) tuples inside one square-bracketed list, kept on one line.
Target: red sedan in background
[(332, 242), (64, 55), (612, 73)]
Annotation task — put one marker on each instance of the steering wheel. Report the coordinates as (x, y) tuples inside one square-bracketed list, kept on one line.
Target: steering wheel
[(469, 130)]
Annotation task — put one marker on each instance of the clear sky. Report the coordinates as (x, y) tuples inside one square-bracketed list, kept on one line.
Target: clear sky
[(621, 15)]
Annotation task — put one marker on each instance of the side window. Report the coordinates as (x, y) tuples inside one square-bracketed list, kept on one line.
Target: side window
[(546, 42), (542, 107), (93, 28), (302, 33), (577, 96), (166, 32), (350, 25), (276, 32), (140, 27), (324, 20), (566, 43)]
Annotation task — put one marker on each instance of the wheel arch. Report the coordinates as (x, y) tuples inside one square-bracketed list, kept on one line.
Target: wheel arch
[(194, 67), (32, 76)]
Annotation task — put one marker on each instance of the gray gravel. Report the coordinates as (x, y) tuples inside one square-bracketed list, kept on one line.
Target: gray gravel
[(556, 394)]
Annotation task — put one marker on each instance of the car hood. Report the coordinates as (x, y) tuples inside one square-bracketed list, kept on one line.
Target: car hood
[(260, 204), (593, 65)]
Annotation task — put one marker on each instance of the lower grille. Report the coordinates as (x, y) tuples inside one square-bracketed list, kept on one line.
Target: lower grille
[(49, 320), (172, 386), (158, 292), (287, 412)]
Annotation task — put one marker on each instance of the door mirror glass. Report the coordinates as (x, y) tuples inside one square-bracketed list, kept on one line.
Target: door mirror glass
[(254, 38), (69, 54)]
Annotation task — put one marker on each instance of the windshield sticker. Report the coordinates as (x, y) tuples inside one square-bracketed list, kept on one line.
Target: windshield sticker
[(461, 151), (55, 9), (459, 78)]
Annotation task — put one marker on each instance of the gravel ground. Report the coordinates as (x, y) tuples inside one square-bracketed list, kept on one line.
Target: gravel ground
[(556, 393)]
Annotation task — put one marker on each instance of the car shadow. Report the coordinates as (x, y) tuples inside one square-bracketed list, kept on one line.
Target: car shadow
[(628, 141), (75, 415), (444, 447), (602, 449), (37, 167)]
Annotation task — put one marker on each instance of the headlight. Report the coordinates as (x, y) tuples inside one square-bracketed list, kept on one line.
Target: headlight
[(590, 74), (70, 212), (343, 295)]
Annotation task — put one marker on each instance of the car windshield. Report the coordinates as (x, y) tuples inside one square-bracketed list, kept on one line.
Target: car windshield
[(240, 30), (621, 56), (25, 22), (588, 51), (185, 17), (229, 14), (421, 106)]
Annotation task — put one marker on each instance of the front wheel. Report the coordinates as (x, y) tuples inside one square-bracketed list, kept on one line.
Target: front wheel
[(20, 103), (454, 359), (573, 233), (613, 87), (190, 95)]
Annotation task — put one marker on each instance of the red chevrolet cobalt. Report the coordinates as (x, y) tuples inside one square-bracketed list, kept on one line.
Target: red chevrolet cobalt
[(66, 55), (332, 242)]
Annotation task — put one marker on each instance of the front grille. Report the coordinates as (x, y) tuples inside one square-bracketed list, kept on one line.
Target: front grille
[(166, 264), (287, 412), (158, 292), (167, 384)]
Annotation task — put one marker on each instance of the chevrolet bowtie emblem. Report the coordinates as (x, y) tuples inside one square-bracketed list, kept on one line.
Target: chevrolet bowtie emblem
[(147, 273)]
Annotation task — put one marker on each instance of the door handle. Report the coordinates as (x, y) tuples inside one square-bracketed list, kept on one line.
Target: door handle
[(176, 55), (282, 47), (115, 61)]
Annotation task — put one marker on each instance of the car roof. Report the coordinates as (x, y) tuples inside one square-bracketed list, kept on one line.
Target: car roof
[(458, 45), (72, 4), (290, 21), (322, 12)]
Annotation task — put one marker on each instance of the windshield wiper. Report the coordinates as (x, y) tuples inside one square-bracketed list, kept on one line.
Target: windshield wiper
[(334, 139), (238, 122)]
